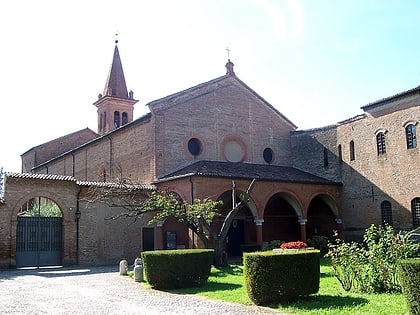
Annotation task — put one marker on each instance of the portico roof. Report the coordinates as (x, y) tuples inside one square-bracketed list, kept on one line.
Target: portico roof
[(240, 170)]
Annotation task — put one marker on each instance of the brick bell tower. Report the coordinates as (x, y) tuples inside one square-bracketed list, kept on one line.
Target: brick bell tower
[(115, 105)]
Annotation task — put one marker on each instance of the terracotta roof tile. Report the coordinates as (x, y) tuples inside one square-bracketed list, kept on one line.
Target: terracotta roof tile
[(247, 171), (41, 176)]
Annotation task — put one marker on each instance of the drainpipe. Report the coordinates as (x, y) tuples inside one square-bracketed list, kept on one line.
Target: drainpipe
[(192, 202), (78, 214), (110, 157)]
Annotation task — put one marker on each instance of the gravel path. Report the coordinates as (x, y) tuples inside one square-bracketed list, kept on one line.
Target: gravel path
[(99, 290)]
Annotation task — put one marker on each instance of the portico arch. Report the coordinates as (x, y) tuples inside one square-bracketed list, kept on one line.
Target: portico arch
[(322, 216), (282, 214), (243, 229)]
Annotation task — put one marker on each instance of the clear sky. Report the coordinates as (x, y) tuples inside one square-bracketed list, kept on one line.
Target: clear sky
[(316, 61)]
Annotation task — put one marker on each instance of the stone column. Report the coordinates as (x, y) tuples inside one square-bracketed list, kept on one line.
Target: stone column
[(303, 229), (339, 227), (258, 225)]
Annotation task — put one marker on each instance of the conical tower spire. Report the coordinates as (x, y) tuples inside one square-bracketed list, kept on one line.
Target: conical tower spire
[(116, 104), (115, 84)]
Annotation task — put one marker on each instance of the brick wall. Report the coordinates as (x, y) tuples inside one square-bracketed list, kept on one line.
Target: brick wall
[(369, 179), (219, 113)]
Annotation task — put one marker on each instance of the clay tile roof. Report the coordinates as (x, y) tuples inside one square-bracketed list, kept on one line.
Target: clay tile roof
[(41, 176), (264, 172), (391, 98), (114, 185)]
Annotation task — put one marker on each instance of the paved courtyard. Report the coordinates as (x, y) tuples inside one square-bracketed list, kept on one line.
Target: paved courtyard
[(99, 290)]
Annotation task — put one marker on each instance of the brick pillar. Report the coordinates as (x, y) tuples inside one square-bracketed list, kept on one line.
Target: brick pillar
[(339, 227), (303, 229), (258, 225), (159, 235)]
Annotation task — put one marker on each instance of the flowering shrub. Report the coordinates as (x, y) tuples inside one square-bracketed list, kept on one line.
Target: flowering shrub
[(293, 245)]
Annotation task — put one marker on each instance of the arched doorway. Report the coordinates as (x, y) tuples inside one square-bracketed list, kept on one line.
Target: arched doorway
[(39, 235), (321, 218), (281, 221), (242, 229)]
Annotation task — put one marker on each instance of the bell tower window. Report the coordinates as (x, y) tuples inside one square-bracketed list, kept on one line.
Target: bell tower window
[(117, 119), (124, 118)]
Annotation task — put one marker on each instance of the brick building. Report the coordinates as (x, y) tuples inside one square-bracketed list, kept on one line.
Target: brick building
[(197, 141)]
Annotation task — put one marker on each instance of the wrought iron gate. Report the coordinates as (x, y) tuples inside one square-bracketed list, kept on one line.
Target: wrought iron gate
[(39, 241)]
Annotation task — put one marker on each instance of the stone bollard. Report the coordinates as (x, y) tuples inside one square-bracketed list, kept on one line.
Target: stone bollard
[(123, 267), (138, 270), (138, 273)]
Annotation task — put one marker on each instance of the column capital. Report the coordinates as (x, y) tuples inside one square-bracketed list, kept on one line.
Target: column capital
[(160, 223), (258, 221), (303, 221), (339, 221)]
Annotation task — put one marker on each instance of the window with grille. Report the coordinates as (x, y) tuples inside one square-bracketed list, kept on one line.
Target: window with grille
[(380, 143), (410, 134), (386, 213), (415, 210)]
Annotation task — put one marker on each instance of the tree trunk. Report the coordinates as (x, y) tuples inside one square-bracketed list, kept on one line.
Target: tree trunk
[(220, 255)]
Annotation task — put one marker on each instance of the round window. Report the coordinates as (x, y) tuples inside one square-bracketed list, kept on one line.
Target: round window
[(268, 155), (194, 146), (233, 151)]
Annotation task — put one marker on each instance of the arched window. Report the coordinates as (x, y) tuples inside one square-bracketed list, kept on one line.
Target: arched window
[(268, 155), (340, 153), (386, 213), (124, 118), (410, 134), (116, 119), (415, 210), (352, 154), (380, 143)]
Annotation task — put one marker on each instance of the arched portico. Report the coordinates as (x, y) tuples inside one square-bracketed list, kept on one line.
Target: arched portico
[(243, 228), (282, 215), (322, 216)]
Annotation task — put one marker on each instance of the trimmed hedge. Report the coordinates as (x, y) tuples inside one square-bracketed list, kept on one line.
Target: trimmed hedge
[(172, 269), (410, 283), (281, 276)]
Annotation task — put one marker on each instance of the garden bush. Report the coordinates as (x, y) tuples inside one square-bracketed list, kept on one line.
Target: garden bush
[(371, 267), (249, 248), (410, 282), (319, 242), (172, 269), (281, 276)]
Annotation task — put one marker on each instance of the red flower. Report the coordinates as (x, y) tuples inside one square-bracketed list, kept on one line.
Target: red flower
[(293, 245)]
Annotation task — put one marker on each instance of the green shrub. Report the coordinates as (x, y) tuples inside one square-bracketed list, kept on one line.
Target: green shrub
[(410, 282), (281, 276), (371, 268), (274, 244), (171, 269), (319, 242), (249, 248)]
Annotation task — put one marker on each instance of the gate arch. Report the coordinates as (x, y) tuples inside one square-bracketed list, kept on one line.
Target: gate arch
[(39, 233)]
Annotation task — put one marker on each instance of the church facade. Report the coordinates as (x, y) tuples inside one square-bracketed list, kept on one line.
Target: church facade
[(198, 141)]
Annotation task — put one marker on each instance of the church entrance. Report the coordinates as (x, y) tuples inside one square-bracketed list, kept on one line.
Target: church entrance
[(39, 235), (235, 238)]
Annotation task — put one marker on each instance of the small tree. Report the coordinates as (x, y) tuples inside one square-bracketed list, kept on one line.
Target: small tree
[(197, 216)]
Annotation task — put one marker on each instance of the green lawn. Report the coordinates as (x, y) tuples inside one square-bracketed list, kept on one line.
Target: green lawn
[(227, 284)]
